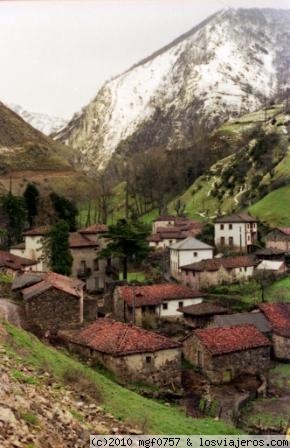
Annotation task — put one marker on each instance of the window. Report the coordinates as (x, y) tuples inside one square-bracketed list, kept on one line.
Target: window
[(148, 359), (195, 254), (222, 227), (230, 226), (170, 241), (180, 304), (96, 264), (231, 241), (83, 265), (245, 269), (199, 358), (222, 241), (165, 306), (241, 270)]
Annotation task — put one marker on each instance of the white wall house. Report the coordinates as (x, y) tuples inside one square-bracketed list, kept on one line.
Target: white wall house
[(237, 232), (32, 247), (169, 308), (187, 251)]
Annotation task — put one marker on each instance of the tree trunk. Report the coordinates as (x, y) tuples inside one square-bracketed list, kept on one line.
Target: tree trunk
[(125, 268)]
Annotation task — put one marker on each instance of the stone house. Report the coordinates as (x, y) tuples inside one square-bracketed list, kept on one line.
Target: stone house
[(270, 253), (218, 271), (255, 318), (278, 316), (11, 264), (32, 247), (166, 237), (187, 251), (223, 354), (134, 355), (236, 233), (52, 301), (279, 239), (202, 314), (135, 303)]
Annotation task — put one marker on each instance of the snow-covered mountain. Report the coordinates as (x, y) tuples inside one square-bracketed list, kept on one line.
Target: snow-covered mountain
[(45, 123), (233, 62)]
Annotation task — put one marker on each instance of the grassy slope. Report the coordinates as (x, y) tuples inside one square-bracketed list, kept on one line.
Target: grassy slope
[(125, 405), (27, 155), (273, 208)]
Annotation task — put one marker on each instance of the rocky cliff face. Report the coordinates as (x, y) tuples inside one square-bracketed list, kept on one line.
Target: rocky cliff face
[(231, 63)]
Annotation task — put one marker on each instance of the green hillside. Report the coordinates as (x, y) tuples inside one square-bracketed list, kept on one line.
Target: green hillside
[(153, 416), (255, 177)]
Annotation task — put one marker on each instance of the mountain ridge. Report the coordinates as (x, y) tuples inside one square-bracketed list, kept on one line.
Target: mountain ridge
[(226, 66)]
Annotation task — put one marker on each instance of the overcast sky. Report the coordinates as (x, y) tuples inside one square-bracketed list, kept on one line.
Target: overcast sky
[(55, 55)]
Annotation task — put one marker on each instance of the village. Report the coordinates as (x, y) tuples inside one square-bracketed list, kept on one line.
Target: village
[(172, 339)]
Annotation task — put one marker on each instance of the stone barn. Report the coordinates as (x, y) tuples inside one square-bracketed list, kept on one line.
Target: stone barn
[(202, 314), (52, 301), (278, 316), (223, 354), (131, 353)]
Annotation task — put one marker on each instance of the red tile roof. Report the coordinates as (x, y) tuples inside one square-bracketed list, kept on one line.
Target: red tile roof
[(214, 264), (52, 280), (278, 315), (155, 294), (203, 309), (95, 228), (285, 230), (77, 240), (38, 231), (119, 339), (14, 262), (219, 341)]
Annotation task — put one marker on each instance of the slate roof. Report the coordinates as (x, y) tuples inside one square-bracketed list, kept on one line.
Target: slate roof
[(219, 341), (14, 262), (278, 315), (48, 280), (231, 320), (203, 309), (236, 217), (156, 294), (270, 251), (27, 279), (214, 264), (94, 228), (77, 240), (190, 243), (119, 339)]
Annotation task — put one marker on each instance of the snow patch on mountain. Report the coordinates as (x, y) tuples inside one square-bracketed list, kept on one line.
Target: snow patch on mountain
[(229, 65), (47, 124)]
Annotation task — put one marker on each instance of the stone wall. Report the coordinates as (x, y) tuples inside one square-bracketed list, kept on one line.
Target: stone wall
[(281, 347), (161, 368), (53, 310), (223, 368)]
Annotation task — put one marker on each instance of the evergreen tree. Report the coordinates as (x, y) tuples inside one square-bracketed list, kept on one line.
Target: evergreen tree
[(31, 197), (127, 241), (65, 210), (15, 211), (56, 247)]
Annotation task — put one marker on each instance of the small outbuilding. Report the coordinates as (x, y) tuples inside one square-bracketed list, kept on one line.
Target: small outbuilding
[(278, 316), (202, 314), (131, 353), (223, 354)]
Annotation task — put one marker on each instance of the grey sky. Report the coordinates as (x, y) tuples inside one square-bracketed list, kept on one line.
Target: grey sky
[(55, 55)]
